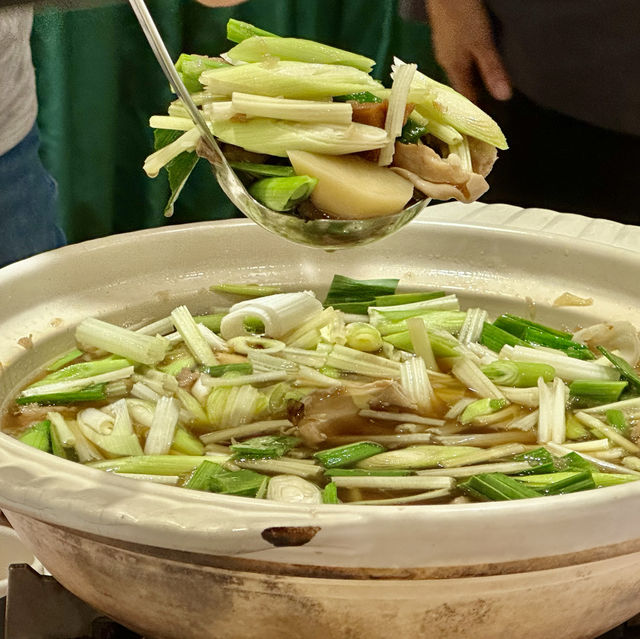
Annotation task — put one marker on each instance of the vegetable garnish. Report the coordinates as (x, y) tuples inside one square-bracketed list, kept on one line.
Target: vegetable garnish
[(411, 400)]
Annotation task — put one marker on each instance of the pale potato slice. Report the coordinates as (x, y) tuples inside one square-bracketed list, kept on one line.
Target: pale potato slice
[(350, 187)]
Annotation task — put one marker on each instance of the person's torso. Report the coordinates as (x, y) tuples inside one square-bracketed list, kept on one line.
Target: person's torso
[(18, 101), (578, 57)]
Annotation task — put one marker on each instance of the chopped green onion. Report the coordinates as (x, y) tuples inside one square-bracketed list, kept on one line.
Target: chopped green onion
[(441, 345), (154, 464), (537, 337), (257, 49), (258, 171), (345, 289), (38, 436), (626, 370), (121, 341), (568, 368), (484, 455), (415, 457), (282, 466), (360, 96), (222, 369), (480, 408), (293, 490), (330, 494), (496, 487), (190, 66), (540, 460), (255, 428), (237, 31), (363, 337), (472, 377), (585, 393), (561, 483), (196, 343), (200, 478), (163, 427), (362, 472), (421, 342), (67, 358), (506, 372), (83, 370), (88, 394), (243, 482), (406, 298), (414, 482), (184, 443), (412, 131), (495, 338), (618, 421), (264, 447), (518, 326), (347, 455), (283, 193), (212, 321), (295, 110)]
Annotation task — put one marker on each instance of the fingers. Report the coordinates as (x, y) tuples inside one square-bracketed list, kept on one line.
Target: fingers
[(461, 76), (492, 71)]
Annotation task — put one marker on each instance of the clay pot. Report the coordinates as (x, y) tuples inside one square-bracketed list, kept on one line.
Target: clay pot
[(175, 563)]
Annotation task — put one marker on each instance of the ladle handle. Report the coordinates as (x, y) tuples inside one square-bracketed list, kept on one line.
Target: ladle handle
[(164, 59)]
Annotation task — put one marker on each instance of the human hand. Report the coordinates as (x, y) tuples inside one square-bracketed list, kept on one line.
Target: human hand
[(464, 46)]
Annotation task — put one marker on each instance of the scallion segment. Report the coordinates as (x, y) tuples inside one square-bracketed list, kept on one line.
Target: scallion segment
[(496, 487), (38, 436), (200, 478), (360, 96), (618, 421), (347, 455), (261, 171), (505, 372), (495, 338), (220, 370), (355, 296), (264, 447), (237, 31), (481, 407), (585, 393), (283, 193), (93, 393), (330, 494), (361, 472), (624, 368)]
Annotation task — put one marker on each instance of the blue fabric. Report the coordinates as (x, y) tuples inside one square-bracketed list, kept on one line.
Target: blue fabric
[(27, 203)]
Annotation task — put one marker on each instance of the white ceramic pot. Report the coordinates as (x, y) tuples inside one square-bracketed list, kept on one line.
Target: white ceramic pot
[(220, 566)]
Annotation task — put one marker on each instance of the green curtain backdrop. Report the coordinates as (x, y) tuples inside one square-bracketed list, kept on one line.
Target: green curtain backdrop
[(98, 83)]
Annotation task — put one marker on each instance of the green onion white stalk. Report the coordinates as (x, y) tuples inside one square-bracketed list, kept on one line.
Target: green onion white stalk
[(421, 342), (472, 326), (163, 426), (401, 417), (415, 382), (76, 384), (395, 483), (610, 433), (600, 463), (145, 349), (396, 110), (568, 368), (287, 109), (292, 489), (472, 377), (277, 137), (196, 343), (185, 143), (507, 468), (279, 314)]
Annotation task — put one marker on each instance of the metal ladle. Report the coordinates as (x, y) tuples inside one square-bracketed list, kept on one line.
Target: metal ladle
[(323, 233)]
